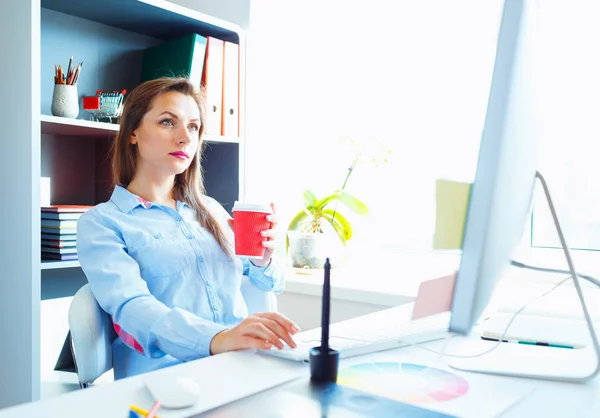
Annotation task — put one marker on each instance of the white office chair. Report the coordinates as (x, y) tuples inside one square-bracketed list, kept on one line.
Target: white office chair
[(92, 331)]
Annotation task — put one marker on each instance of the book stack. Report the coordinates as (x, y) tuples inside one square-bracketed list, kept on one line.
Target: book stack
[(59, 231)]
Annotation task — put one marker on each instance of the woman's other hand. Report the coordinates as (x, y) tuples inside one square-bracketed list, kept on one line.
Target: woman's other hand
[(260, 331)]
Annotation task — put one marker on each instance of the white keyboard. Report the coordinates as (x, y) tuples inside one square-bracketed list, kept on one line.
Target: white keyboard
[(383, 330)]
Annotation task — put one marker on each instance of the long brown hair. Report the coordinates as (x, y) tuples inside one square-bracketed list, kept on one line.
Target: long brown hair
[(189, 185)]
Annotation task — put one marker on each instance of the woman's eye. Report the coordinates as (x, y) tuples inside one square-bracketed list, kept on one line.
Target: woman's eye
[(194, 128), (167, 122)]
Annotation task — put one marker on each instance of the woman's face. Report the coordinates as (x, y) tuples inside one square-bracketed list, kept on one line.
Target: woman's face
[(168, 135)]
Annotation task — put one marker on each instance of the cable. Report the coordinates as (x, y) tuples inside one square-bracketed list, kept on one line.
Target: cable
[(547, 270), (512, 319), (497, 344)]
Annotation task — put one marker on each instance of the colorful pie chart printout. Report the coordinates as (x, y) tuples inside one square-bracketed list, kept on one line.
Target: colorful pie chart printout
[(404, 382)]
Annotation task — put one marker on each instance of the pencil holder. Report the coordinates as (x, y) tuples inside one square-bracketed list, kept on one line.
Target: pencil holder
[(65, 101)]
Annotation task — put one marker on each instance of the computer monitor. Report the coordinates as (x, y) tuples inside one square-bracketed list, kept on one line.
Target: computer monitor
[(502, 192), (500, 202)]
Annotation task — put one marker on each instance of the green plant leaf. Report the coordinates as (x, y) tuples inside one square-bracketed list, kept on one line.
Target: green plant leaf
[(337, 217), (322, 203), (350, 201), (309, 198), (300, 216), (337, 226), (354, 204)]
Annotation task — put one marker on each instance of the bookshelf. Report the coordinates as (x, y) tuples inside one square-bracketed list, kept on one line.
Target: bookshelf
[(82, 128), (53, 125), (109, 36), (52, 265)]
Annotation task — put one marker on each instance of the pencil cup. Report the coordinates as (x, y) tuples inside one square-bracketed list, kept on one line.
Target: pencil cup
[(65, 102)]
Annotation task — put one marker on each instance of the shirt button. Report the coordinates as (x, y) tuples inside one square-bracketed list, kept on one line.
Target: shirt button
[(200, 258), (190, 236), (178, 218), (157, 236), (216, 308), (209, 284)]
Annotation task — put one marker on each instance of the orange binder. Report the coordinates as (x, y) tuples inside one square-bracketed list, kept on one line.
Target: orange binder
[(212, 80), (231, 90)]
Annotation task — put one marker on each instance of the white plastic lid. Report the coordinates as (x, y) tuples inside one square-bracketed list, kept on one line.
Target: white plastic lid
[(251, 207)]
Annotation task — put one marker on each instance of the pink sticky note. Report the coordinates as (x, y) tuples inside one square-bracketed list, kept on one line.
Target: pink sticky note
[(434, 296)]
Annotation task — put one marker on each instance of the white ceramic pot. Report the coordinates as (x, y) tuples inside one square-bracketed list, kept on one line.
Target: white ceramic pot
[(65, 102), (309, 250)]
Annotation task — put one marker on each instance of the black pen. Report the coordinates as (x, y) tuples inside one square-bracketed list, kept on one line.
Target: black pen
[(538, 343), (326, 309), (324, 361)]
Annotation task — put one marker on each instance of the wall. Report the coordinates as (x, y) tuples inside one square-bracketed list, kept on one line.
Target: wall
[(304, 309)]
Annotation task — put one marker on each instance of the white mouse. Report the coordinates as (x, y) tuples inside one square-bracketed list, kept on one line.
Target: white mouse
[(174, 392)]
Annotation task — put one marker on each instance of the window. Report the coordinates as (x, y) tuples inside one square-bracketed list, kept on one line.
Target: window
[(570, 80), (414, 75)]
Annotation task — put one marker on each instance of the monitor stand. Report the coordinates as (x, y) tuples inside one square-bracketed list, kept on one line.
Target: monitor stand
[(571, 365)]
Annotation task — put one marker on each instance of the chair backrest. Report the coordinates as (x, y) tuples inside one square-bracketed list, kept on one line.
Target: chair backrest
[(92, 331), (92, 334)]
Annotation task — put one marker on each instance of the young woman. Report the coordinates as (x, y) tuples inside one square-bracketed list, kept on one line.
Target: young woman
[(158, 255)]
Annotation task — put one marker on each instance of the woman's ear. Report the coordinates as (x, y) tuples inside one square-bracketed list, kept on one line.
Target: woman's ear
[(133, 139)]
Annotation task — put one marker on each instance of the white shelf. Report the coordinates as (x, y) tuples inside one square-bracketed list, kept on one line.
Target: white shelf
[(55, 125), (51, 264), (155, 18)]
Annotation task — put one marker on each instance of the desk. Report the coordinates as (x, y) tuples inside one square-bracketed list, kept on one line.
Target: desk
[(251, 372)]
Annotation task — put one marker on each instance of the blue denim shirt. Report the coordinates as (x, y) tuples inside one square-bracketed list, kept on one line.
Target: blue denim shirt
[(163, 278)]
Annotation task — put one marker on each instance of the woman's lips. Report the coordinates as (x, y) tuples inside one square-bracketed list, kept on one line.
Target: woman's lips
[(180, 154)]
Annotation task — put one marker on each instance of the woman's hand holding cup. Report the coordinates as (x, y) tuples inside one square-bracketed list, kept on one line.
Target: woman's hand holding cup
[(253, 226)]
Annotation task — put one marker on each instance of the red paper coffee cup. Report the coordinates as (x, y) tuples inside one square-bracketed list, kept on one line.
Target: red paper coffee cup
[(249, 220)]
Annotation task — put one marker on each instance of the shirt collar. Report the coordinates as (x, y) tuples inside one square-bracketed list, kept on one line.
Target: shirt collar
[(126, 201)]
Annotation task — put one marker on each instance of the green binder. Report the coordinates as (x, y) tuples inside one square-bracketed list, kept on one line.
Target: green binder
[(183, 57)]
